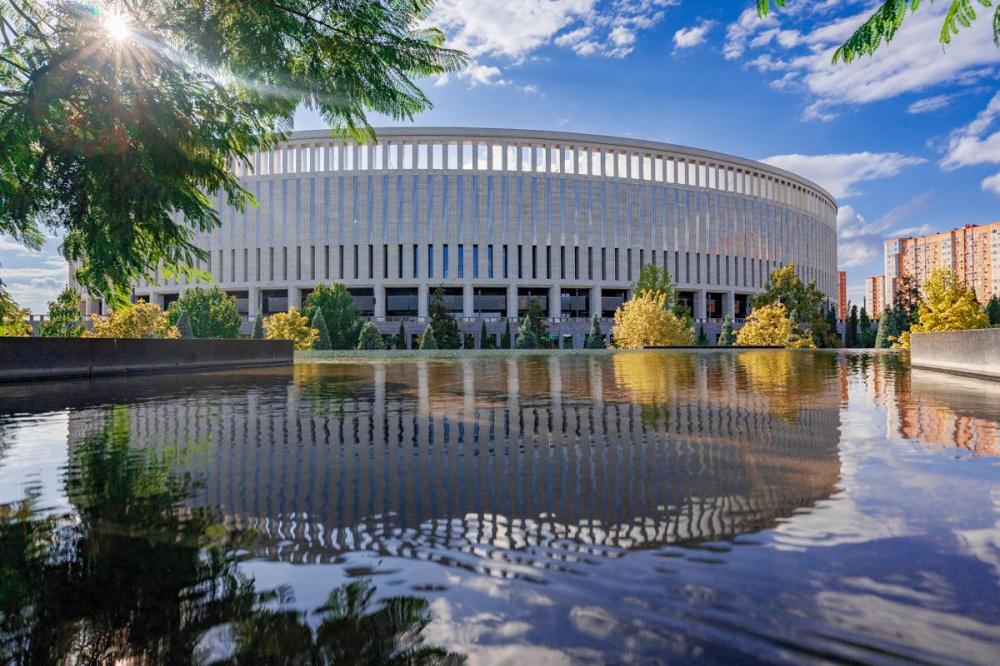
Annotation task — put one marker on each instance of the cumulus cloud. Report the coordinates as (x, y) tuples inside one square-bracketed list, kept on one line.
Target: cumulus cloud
[(860, 241), (909, 63), (839, 173), (991, 184), (975, 143), (694, 35), (928, 104)]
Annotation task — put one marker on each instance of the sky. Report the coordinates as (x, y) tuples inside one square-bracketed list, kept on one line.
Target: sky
[(908, 141)]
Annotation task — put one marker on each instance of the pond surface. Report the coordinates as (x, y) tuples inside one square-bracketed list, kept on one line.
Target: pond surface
[(505, 508)]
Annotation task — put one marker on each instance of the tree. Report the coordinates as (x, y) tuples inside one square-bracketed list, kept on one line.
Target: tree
[(907, 305), (485, 339), (13, 318), (342, 316), (257, 332), (212, 313), (446, 333), (594, 339), (852, 337), (702, 340), (534, 331), (866, 336), (64, 316), (799, 339), (767, 326), (883, 24), (727, 338), (119, 128), (784, 286), (183, 325), (142, 320), (645, 321), (505, 342), (427, 340), (949, 305), (823, 332), (656, 281), (400, 340), (370, 339), (291, 325), (888, 328), (993, 311), (323, 333)]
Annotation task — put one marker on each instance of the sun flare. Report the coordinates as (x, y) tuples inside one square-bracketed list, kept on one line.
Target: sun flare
[(116, 26)]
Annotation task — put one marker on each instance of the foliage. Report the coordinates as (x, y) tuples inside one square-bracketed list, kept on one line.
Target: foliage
[(13, 318), (291, 325), (727, 337), (121, 144), (767, 326), (370, 339), (594, 339), (656, 281), (400, 340), (63, 320), (645, 321), (852, 337), (866, 334), (949, 305), (534, 331), (784, 286), (888, 328), (993, 311), (907, 305), (882, 25), (184, 325), (142, 320), (212, 313), (823, 332), (445, 327), (343, 319), (427, 340), (798, 339), (257, 332), (485, 339), (322, 332), (505, 337), (702, 339)]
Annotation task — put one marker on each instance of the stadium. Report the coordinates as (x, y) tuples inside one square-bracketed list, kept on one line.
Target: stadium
[(496, 218)]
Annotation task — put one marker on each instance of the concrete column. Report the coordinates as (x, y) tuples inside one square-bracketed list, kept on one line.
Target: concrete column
[(423, 300), (295, 298), (595, 301), (699, 304), (379, 292), (729, 304), (253, 302), (555, 302), (512, 301), (468, 304)]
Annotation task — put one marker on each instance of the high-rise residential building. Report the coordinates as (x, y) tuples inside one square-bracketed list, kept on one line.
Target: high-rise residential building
[(972, 251), (875, 295), (842, 312)]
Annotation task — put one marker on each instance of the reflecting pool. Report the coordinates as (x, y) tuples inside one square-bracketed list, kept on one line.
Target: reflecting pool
[(505, 508)]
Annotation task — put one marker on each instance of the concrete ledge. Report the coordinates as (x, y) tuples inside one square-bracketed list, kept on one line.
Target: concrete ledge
[(975, 353), (24, 359)]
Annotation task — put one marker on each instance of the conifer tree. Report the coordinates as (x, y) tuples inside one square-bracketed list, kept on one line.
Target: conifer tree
[(727, 338), (370, 339), (427, 340), (184, 325), (319, 323), (257, 332), (594, 340)]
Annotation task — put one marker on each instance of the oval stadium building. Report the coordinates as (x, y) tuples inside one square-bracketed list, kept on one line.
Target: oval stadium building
[(496, 218)]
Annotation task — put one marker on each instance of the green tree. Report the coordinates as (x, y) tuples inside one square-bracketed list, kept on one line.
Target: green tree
[(866, 334), (505, 341), (427, 340), (727, 338), (485, 339), (594, 339), (119, 129), (993, 311), (534, 331), (212, 313), (342, 316), (257, 332), (64, 316), (784, 286), (907, 306), (888, 328), (655, 280), (445, 327), (400, 340), (824, 330), (319, 323), (885, 21), (852, 338), (702, 340), (370, 339), (183, 325)]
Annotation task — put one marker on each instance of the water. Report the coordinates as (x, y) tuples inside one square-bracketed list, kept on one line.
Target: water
[(505, 508)]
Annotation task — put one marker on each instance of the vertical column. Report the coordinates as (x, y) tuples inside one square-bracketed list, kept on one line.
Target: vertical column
[(699, 304), (379, 292), (423, 296), (253, 302), (294, 298), (468, 304), (555, 302), (729, 306), (512, 301)]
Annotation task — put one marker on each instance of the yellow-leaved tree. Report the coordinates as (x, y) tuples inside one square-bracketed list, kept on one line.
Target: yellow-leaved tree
[(645, 321), (292, 326), (767, 326), (947, 305), (142, 320)]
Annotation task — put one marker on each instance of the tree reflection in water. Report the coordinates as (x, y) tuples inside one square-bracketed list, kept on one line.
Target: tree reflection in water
[(132, 576)]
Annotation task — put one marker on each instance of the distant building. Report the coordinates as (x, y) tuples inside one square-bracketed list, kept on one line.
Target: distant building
[(842, 312), (875, 295), (972, 251)]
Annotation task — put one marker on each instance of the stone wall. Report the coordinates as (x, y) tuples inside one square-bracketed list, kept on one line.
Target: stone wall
[(975, 352)]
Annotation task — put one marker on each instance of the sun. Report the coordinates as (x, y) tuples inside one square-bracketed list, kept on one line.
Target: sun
[(116, 26)]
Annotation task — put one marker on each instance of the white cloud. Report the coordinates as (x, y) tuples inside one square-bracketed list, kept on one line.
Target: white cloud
[(991, 184), (839, 173), (911, 62), (928, 104), (971, 144), (860, 241), (686, 38), (485, 75)]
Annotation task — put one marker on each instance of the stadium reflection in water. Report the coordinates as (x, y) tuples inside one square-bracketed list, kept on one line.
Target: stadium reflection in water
[(506, 508)]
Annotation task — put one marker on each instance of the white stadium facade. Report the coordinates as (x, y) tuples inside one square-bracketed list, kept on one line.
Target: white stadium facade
[(497, 217)]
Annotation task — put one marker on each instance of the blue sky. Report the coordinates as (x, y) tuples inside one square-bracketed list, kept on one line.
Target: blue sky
[(908, 141)]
